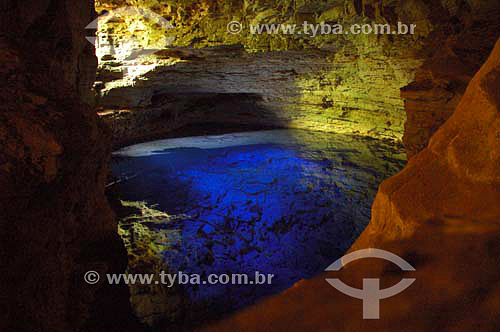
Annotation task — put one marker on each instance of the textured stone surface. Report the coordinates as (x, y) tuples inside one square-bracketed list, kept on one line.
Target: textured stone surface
[(441, 214), (143, 230), (457, 176), (283, 89), (344, 83), (55, 222), (456, 52), (341, 83)]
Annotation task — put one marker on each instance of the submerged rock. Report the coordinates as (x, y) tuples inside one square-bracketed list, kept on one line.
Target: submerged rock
[(281, 202)]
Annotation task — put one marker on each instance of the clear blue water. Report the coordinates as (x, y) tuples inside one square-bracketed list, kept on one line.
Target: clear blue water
[(282, 202)]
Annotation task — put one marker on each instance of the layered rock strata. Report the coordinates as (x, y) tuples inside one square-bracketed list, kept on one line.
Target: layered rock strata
[(349, 84), (228, 85), (341, 83)]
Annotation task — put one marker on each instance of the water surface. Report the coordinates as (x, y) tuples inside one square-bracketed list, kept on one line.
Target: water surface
[(282, 202)]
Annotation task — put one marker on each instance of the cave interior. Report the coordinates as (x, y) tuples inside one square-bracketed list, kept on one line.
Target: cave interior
[(148, 137)]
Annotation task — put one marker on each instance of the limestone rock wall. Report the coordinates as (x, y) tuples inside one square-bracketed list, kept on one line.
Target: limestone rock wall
[(283, 88), (55, 223), (456, 177), (341, 83), (352, 86), (455, 53)]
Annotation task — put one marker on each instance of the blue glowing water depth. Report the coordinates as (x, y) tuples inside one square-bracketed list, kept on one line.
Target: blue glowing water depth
[(282, 202)]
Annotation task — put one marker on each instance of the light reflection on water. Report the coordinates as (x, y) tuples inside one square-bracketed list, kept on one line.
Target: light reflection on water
[(284, 202)]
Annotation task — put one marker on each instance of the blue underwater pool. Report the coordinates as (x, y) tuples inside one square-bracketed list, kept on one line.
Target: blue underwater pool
[(281, 202)]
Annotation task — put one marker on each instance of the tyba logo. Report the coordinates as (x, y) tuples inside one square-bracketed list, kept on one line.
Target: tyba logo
[(371, 294)]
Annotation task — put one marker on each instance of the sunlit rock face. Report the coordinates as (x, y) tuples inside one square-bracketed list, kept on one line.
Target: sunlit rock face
[(459, 167), (228, 85), (341, 83)]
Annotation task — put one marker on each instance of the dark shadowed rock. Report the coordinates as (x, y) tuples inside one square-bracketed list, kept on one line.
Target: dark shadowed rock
[(55, 222)]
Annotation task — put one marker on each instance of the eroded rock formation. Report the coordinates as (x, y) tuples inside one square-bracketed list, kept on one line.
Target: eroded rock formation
[(456, 51), (341, 83), (456, 177), (228, 85), (441, 214), (55, 223)]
